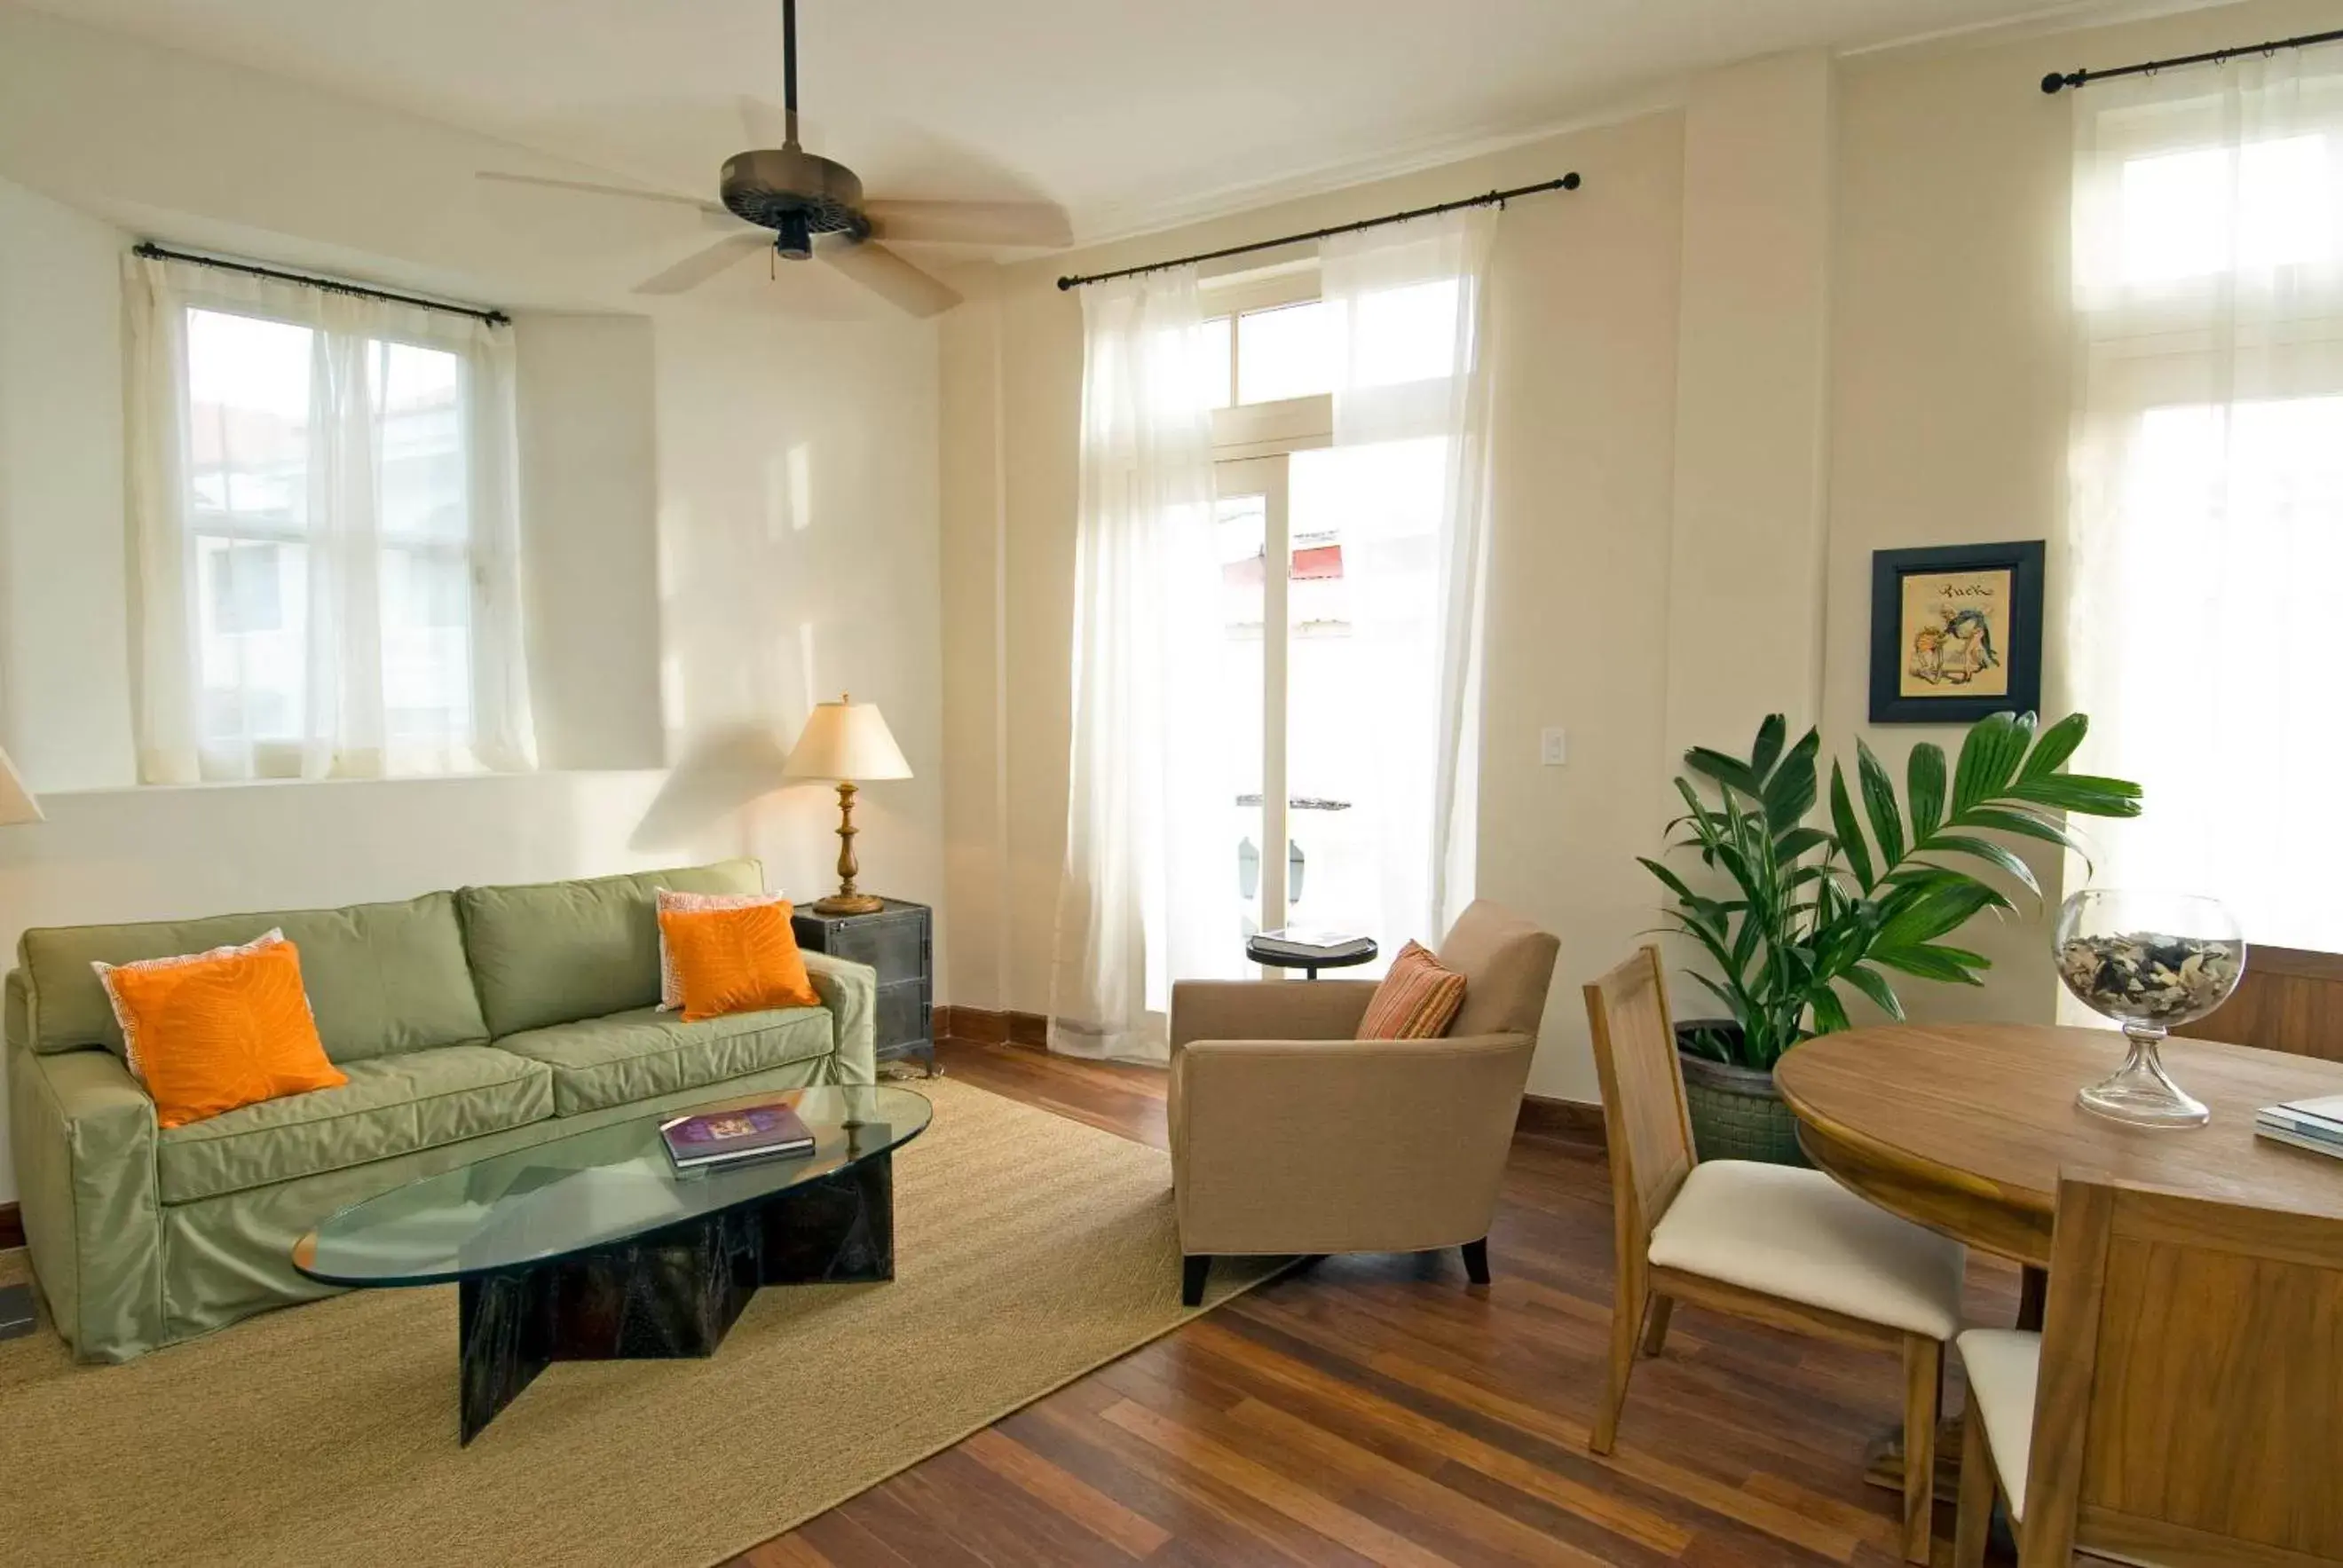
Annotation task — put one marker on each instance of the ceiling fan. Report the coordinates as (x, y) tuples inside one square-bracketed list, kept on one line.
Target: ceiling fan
[(806, 208)]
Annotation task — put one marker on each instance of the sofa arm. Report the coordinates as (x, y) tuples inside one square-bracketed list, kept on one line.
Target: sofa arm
[(850, 991), (19, 1011), (1355, 1146), (82, 1130), (1267, 1010)]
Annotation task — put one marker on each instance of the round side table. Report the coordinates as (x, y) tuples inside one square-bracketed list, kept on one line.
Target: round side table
[(1309, 966)]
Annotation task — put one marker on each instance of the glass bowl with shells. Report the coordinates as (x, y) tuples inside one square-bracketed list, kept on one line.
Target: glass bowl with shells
[(2151, 962)]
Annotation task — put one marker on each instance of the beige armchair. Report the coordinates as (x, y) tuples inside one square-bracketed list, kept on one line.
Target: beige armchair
[(1289, 1136)]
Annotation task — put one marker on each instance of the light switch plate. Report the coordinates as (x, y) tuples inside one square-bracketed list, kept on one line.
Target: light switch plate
[(1554, 749)]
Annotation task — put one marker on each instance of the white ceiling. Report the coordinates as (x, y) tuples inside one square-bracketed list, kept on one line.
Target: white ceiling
[(1132, 116)]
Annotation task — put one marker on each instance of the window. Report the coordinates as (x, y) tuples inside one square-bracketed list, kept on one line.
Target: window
[(339, 468), (2206, 520), (1331, 572)]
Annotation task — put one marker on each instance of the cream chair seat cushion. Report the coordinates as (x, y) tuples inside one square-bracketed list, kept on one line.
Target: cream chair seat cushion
[(1798, 1235), (2003, 1366)]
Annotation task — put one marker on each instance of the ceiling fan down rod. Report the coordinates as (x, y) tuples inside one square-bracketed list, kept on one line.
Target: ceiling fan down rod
[(790, 68)]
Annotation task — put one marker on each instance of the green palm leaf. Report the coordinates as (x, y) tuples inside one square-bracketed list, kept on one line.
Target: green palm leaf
[(1849, 831), (1879, 805), (1990, 755), (2058, 743), (1923, 788)]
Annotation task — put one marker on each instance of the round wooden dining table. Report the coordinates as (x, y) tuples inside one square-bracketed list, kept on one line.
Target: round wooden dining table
[(1964, 1128)]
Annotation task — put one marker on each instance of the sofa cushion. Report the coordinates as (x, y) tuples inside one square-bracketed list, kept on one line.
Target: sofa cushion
[(392, 1105), (551, 952), (382, 979), (636, 1055)]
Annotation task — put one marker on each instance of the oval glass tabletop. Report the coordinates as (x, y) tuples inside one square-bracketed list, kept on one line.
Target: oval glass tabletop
[(588, 1189)]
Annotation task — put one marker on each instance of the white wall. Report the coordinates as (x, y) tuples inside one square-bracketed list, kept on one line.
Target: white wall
[(589, 554), (1753, 371), (730, 504), (797, 558), (64, 671)]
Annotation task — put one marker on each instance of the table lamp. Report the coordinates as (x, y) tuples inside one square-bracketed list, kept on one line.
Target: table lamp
[(17, 802), (849, 741)]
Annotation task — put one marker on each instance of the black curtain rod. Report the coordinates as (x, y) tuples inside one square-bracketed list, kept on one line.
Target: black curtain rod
[(2059, 79), (150, 249), (1568, 182)]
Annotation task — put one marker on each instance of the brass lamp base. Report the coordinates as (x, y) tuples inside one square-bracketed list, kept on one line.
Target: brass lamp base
[(846, 900), (848, 904)]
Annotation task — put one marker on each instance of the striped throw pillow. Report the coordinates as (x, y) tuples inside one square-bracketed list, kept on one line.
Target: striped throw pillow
[(1417, 1001)]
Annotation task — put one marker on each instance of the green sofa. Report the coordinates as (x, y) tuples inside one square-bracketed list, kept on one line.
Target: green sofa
[(470, 1023)]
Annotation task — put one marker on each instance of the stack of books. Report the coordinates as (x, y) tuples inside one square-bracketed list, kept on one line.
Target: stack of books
[(2313, 1124), (714, 1137), (1305, 942)]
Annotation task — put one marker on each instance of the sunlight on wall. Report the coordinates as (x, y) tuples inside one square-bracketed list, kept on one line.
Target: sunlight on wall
[(801, 468)]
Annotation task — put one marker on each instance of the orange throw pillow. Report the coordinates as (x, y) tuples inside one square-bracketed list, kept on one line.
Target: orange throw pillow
[(736, 960), (1417, 1001), (670, 988), (207, 1032)]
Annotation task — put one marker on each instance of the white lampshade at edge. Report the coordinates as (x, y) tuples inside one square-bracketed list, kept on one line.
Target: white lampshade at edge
[(845, 739), (17, 802)]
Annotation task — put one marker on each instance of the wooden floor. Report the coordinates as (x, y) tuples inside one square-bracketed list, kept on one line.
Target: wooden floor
[(1377, 1410)]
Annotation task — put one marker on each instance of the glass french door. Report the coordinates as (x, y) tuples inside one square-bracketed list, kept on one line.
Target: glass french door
[(1251, 534), (1300, 691)]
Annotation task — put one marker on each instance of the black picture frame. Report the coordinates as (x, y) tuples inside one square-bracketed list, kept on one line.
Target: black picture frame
[(2023, 560)]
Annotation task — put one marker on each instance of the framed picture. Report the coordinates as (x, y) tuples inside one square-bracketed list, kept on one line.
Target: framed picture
[(1956, 632)]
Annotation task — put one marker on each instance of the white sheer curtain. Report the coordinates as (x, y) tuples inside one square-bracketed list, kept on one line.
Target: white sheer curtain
[(1142, 896), (325, 533), (1410, 458), (2206, 533)]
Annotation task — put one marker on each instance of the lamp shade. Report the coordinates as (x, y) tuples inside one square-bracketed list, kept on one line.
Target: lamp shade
[(17, 802), (845, 739)]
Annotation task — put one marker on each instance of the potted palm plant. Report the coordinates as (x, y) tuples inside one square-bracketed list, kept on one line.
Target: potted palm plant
[(1789, 911)]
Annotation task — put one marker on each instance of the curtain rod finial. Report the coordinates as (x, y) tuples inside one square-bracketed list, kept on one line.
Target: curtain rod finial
[(2053, 81), (1569, 181)]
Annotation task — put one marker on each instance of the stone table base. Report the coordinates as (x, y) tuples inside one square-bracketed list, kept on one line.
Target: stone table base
[(672, 1292)]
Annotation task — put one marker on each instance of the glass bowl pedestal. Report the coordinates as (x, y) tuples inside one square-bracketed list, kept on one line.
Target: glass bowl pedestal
[(2151, 962)]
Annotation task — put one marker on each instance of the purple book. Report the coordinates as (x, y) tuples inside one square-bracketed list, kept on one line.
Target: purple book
[(715, 1136)]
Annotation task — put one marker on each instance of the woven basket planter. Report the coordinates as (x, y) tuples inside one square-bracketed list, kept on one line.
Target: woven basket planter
[(1736, 1112)]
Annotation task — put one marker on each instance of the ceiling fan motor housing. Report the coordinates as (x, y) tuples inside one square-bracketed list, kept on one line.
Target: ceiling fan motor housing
[(795, 194)]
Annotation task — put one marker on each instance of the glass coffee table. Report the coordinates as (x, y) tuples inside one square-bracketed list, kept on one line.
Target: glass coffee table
[(594, 1247)]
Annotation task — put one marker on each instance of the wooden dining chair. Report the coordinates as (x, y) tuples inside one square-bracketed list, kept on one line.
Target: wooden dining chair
[(2289, 999), (2184, 1402), (1781, 1245)]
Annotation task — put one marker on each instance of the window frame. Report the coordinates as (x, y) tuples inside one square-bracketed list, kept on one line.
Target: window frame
[(204, 523), (1250, 445), (1241, 430)]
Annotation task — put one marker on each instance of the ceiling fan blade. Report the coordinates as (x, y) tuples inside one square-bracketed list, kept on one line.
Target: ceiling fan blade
[(889, 276), (592, 189), (702, 264), (1032, 223), (767, 126)]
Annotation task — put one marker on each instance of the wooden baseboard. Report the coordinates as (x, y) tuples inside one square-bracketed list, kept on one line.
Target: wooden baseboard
[(985, 1026), (1571, 1118), (12, 1226)]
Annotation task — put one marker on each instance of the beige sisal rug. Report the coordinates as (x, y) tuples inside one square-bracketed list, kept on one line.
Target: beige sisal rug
[(1029, 1250)]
